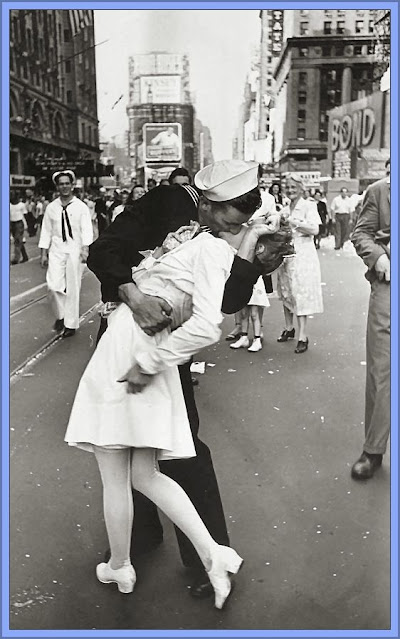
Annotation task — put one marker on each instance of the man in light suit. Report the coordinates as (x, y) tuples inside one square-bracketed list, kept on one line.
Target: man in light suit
[(371, 239)]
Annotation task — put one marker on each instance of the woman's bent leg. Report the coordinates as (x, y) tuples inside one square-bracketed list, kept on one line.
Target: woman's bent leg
[(172, 500), (115, 470)]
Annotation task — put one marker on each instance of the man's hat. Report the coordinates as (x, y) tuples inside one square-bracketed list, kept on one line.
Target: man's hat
[(227, 179), (58, 174)]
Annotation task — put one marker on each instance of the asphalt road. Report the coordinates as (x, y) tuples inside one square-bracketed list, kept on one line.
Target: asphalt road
[(284, 430)]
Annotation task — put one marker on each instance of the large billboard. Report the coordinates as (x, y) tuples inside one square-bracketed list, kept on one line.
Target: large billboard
[(162, 142), (160, 89)]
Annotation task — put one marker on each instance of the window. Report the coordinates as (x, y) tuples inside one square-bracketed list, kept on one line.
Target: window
[(68, 66), (303, 52), (269, 82), (328, 13), (359, 26), (371, 26), (303, 28), (301, 133), (269, 59), (69, 96), (301, 115), (358, 49), (67, 35), (371, 49), (303, 78), (80, 58), (338, 50), (302, 97), (340, 26), (327, 28)]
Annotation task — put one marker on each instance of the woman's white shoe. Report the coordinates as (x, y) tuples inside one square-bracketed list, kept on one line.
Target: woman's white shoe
[(256, 345), (224, 560), (124, 577), (243, 342)]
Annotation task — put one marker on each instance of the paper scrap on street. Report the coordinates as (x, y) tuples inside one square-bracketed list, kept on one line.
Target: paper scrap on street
[(198, 367)]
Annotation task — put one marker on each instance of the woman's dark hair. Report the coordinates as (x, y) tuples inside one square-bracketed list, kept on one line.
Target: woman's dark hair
[(277, 245), (247, 203)]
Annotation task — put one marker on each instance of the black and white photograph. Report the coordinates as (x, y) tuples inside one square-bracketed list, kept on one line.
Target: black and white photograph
[(200, 308)]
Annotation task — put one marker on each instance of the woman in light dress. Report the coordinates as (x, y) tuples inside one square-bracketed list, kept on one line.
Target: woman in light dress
[(129, 408), (299, 279)]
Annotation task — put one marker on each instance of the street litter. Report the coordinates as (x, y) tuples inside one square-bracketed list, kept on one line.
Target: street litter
[(198, 367)]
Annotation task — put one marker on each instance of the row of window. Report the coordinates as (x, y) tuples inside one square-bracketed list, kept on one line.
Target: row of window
[(339, 50), (330, 12)]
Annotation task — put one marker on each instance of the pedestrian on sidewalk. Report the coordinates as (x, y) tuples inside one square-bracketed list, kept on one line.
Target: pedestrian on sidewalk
[(341, 208), (17, 229), (131, 427), (144, 225), (101, 210), (371, 239), (323, 214), (257, 303), (299, 279), (64, 242)]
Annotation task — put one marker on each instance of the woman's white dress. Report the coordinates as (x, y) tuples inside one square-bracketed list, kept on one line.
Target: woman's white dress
[(259, 295), (299, 277), (191, 278)]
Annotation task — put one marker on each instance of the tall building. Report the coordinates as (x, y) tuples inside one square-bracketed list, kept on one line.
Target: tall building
[(161, 115), (326, 61), (53, 100)]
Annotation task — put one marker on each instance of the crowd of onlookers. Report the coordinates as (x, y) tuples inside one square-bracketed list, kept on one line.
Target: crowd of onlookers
[(26, 211)]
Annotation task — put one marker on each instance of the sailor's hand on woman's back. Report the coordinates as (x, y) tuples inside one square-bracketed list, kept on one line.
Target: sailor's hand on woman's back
[(151, 313)]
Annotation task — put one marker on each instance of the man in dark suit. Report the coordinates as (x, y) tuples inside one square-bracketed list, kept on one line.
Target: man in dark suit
[(144, 225), (371, 238)]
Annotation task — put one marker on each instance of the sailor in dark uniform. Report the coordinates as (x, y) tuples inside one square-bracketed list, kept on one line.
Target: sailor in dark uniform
[(144, 225)]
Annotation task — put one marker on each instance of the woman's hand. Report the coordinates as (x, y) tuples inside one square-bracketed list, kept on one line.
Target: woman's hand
[(136, 380)]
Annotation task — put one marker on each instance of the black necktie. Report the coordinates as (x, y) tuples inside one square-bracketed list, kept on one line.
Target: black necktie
[(65, 220)]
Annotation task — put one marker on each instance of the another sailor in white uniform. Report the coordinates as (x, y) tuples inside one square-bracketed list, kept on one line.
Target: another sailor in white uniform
[(64, 241)]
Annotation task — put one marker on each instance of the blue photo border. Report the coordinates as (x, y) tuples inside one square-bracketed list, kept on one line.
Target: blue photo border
[(4, 349)]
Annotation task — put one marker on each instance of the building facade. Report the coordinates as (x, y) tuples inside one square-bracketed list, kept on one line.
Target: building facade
[(53, 99), (327, 60), (163, 130), (310, 62)]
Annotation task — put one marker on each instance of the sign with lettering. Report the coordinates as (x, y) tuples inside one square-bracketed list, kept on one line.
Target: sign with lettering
[(22, 180), (162, 142), (357, 124), (81, 167)]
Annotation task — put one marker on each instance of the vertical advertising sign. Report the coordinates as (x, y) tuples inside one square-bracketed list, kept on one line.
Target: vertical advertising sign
[(162, 142)]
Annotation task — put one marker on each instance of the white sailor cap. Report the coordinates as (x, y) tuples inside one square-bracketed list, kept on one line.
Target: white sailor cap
[(227, 179), (58, 174)]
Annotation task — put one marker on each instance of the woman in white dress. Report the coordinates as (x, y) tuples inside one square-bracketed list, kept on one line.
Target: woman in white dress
[(299, 279), (129, 408)]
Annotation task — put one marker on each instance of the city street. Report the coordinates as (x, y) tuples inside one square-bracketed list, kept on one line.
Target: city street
[(284, 431)]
